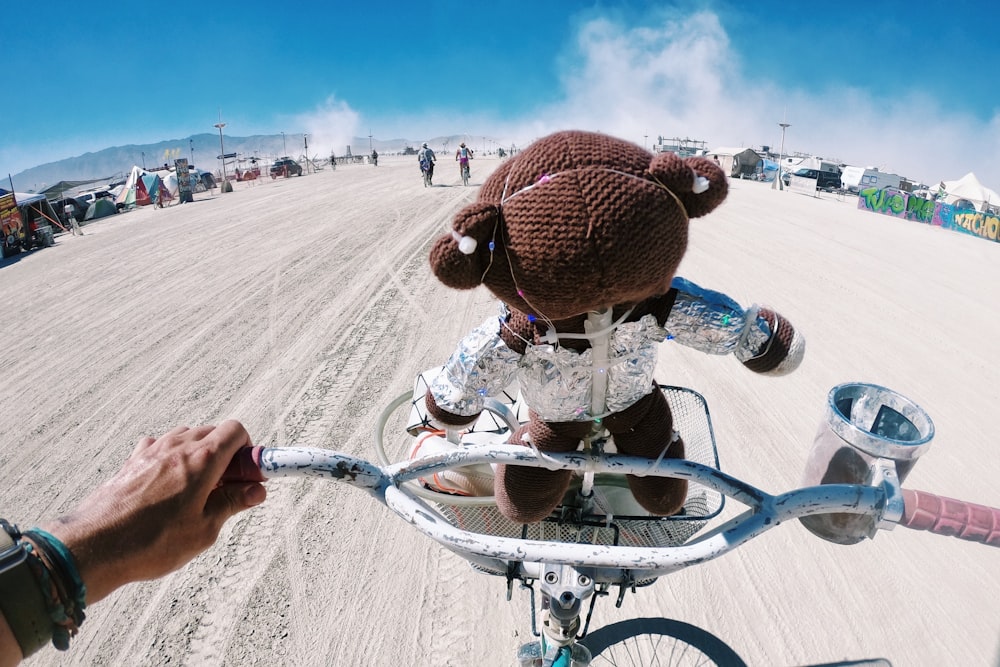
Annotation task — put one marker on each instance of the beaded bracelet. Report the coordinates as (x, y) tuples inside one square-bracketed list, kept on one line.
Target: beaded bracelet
[(65, 593)]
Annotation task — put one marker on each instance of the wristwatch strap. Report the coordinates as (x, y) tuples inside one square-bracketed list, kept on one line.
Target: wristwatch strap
[(21, 599)]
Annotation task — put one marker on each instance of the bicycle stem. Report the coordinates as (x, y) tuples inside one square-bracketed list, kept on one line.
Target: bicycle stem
[(564, 590)]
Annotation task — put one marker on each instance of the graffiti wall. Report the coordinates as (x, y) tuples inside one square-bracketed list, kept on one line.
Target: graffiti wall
[(899, 204)]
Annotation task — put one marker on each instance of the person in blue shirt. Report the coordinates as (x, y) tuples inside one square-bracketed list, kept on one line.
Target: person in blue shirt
[(427, 159)]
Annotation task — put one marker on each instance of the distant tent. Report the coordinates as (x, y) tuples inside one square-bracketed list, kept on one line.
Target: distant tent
[(56, 191), (155, 189), (142, 188), (736, 162), (199, 180), (170, 182), (970, 189), (99, 209), (140, 195), (127, 196)]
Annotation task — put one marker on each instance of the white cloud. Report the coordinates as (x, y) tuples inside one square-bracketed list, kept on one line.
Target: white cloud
[(647, 80), (680, 76)]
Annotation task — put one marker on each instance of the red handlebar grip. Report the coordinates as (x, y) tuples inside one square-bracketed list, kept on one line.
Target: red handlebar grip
[(245, 466), (947, 516)]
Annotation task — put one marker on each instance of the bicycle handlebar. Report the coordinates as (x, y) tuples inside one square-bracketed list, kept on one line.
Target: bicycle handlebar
[(245, 466), (954, 518), (922, 511)]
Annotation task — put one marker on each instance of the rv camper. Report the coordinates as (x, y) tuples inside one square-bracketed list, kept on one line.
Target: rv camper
[(856, 179)]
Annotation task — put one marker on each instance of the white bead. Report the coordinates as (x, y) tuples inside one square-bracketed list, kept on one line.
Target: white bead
[(467, 245)]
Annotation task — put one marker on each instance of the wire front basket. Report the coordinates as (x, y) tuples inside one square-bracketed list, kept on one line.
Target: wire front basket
[(615, 518), (618, 520)]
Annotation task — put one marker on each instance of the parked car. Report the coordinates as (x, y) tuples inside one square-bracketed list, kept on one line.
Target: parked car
[(89, 198), (285, 166), (825, 180)]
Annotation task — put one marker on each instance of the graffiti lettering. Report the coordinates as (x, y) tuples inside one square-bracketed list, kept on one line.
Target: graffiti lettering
[(905, 205), (980, 224), (882, 201), (919, 209)]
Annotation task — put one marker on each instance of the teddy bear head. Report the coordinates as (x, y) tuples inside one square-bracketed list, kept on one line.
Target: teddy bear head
[(579, 221)]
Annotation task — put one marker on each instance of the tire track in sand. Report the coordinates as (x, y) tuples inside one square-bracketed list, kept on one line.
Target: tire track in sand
[(279, 547)]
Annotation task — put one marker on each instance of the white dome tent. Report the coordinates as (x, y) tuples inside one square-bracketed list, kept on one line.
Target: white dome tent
[(969, 189)]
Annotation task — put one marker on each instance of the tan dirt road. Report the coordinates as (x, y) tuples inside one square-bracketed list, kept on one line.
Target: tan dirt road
[(302, 306)]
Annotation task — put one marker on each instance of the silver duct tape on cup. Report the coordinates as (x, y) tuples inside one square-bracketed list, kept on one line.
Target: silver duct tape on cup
[(865, 427)]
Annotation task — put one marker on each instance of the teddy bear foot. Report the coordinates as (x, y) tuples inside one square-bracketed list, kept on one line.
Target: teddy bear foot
[(661, 496), (528, 495)]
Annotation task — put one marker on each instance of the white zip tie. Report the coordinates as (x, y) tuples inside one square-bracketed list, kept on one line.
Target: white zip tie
[(654, 464), (545, 458)]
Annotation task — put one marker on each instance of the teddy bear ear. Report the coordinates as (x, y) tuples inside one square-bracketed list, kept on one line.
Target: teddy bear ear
[(698, 182), (457, 258)]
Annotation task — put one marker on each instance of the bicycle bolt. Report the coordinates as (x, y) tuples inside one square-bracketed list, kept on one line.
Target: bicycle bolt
[(551, 577), (584, 580)]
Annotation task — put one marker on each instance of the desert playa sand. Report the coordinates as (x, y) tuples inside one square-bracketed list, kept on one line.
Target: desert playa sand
[(303, 306)]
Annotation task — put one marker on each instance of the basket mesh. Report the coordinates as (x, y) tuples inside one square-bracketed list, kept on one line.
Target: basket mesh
[(611, 525)]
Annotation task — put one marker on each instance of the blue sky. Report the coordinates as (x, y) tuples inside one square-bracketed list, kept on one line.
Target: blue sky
[(908, 87)]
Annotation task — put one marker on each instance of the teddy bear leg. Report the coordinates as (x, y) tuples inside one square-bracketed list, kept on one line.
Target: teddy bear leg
[(528, 495), (644, 429)]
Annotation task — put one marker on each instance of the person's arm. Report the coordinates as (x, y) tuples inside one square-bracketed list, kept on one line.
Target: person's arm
[(164, 507)]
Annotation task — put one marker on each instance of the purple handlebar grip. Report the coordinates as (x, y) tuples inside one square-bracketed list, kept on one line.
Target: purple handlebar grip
[(245, 466), (947, 516)]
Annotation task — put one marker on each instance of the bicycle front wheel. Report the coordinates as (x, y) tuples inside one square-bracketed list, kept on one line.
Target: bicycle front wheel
[(658, 641)]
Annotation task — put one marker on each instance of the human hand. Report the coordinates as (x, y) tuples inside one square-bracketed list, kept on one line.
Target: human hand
[(164, 507)]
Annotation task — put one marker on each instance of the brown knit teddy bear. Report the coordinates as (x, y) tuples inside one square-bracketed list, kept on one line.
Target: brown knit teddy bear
[(579, 236)]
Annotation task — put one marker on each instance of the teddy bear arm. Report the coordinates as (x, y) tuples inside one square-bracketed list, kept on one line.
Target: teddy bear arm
[(707, 320), (444, 419), (481, 367), (782, 351), (761, 339)]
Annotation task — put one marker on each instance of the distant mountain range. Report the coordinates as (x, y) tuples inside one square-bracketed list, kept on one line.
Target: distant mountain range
[(202, 150)]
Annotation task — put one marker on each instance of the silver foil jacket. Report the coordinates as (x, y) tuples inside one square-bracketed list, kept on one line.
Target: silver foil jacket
[(556, 382)]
